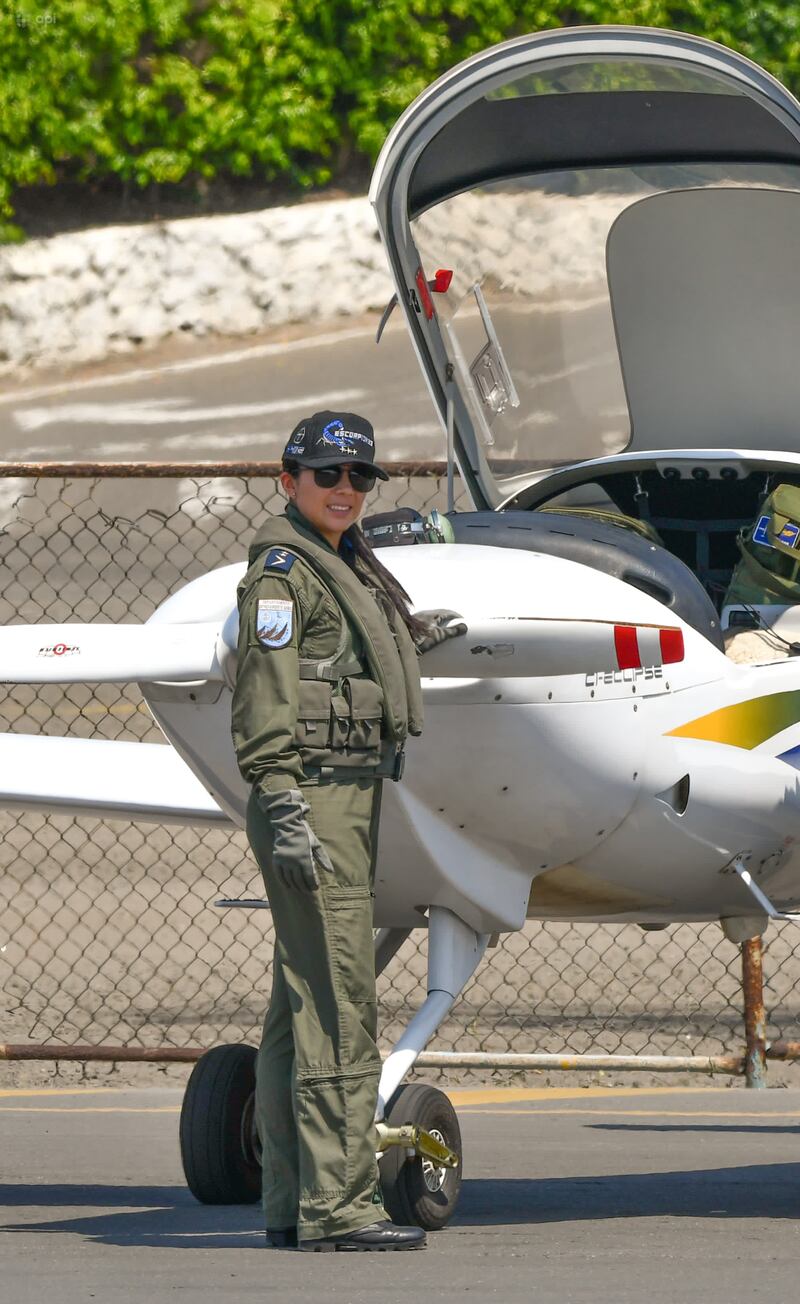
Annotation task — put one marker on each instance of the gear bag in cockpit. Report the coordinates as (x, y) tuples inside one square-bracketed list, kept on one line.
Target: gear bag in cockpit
[(768, 572)]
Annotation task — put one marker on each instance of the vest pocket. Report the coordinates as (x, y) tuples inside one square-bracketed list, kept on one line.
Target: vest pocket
[(366, 715), (340, 724), (314, 716)]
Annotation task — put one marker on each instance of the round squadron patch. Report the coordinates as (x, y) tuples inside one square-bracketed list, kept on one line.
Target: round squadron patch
[(274, 622)]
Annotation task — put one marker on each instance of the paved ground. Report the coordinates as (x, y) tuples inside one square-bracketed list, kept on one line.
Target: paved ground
[(570, 1196), (222, 400), (191, 400)]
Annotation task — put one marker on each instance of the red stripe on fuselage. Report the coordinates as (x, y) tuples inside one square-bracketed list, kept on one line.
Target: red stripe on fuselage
[(626, 645)]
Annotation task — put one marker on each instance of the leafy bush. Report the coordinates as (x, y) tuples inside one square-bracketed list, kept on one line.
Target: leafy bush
[(163, 90)]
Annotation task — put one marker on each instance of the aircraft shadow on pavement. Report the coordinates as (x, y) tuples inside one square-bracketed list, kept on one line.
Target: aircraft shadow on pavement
[(757, 1129), (174, 1220), (745, 1191), (158, 1216)]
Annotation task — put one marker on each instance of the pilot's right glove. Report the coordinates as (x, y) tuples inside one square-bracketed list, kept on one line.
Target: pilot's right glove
[(439, 628), (296, 850)]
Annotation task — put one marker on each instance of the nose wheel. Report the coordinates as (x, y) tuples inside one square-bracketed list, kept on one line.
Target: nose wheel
[(416, 1188), (220, 1151)]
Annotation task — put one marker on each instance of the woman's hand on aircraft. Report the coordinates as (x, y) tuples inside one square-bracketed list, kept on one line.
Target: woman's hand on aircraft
[(439, 628)]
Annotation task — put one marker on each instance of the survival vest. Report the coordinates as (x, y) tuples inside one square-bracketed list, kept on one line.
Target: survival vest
[(390, 653)]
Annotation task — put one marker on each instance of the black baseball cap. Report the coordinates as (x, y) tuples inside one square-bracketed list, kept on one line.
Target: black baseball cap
[(330, 438)]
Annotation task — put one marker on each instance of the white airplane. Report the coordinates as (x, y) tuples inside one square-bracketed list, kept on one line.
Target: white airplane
[(594, 237)]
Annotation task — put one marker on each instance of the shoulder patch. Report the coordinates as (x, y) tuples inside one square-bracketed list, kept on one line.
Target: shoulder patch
[(274, 622), (279, 559)]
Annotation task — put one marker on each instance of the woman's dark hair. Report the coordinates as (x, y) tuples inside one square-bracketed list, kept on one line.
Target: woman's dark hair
[(393, 590), (390, 586)]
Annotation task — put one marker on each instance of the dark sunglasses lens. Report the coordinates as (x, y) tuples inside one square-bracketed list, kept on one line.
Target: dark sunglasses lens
[(362, 481), (327, 477)]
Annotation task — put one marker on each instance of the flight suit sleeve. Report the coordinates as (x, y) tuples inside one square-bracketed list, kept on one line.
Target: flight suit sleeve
[(265, 699)]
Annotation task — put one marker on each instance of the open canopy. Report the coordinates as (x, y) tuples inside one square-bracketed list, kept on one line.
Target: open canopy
[(620, 208)]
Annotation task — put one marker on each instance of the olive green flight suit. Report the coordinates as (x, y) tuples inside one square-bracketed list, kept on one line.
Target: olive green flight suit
[(318, 1065)]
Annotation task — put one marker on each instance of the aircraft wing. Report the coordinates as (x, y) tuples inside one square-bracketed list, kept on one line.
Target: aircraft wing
[(115, 780)]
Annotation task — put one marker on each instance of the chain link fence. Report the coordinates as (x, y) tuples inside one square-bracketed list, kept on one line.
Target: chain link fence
[(108, 933)]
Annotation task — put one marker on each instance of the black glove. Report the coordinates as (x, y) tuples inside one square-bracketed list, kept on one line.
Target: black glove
[(439, 628), (296, 850)]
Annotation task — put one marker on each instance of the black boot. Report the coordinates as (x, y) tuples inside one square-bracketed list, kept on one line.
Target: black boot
[(282, 1238), (382, 1235)]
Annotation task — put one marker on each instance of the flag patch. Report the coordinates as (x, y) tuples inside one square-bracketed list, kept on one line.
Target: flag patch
[(274, 622)]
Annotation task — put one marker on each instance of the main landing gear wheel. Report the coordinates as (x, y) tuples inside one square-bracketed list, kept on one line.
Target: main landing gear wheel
[(414, 1189), (219, 1145)]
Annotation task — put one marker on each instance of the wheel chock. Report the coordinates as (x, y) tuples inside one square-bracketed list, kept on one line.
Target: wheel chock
[(417, 1140)]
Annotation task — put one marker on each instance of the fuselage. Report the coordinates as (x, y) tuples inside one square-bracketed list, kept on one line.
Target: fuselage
[(599, 794)]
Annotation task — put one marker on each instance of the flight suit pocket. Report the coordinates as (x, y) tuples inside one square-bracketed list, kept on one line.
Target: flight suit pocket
[(350, 922)]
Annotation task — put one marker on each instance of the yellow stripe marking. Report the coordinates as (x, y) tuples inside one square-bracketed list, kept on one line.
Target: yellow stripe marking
[(90, 1109), (490, 1095), (61, 1091), (458, 1095)]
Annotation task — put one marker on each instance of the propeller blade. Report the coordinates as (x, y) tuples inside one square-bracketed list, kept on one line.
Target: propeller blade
[(516, 648), (108, 654)]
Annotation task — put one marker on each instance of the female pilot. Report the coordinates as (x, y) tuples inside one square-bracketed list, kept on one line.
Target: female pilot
[(327, 691)]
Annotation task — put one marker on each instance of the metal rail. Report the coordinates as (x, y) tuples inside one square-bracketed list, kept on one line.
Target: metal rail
[(711, 1064), (181, 470)]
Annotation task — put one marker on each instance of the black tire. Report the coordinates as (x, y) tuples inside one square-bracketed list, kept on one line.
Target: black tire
[(217, 1133), (414, 1191)]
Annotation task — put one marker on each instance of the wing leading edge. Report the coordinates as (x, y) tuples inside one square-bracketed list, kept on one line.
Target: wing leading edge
[(114, 780)]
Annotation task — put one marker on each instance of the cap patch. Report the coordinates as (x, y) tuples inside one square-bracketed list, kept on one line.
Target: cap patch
[(335, 436), (274, 622), (279, 559)]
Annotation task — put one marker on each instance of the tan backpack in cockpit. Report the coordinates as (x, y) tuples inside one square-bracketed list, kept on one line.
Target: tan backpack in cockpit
[(769, 570)]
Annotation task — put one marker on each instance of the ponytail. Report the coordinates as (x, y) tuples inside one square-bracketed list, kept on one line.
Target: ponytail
[(393, 590)]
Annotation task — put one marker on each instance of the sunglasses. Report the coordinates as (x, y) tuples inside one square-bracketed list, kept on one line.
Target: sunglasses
[(328, 476)]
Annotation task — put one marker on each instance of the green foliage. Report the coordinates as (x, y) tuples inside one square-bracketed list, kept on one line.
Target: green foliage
[(163, 90)]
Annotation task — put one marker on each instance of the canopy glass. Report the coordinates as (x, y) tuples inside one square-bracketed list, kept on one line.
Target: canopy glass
[(647, 307)]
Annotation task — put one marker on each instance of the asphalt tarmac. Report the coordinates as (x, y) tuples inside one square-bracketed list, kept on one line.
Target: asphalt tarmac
[(236, 400), (571, 1196), (222, 400)]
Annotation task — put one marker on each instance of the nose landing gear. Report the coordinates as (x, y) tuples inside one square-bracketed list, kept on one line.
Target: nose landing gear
[(421, 1183)]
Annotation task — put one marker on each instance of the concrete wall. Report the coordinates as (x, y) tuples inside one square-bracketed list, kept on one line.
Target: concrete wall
[(83, 296)]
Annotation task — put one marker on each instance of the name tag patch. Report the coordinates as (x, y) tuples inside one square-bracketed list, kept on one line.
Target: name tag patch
[(279, 559), (274, 622)]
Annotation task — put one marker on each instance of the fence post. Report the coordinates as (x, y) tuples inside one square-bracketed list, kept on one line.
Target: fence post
[(755, 1019)]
